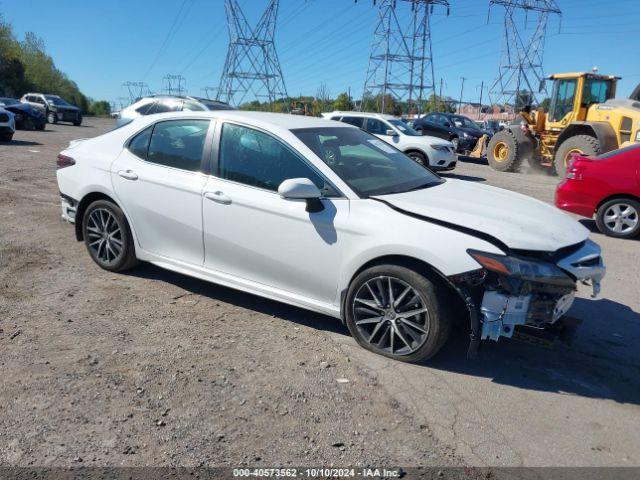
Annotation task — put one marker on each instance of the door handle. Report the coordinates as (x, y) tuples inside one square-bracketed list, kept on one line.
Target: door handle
[(128, 174), (218, 197)]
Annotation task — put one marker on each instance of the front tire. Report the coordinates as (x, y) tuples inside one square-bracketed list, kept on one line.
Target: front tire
[(6, 137), (503, 152), (78, 122), (107, 236), (52, 117), (583, 144), (619, 218), (396, 312), (419, 157)]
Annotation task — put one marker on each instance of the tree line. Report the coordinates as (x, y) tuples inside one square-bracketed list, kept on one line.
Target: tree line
[(25, 67)]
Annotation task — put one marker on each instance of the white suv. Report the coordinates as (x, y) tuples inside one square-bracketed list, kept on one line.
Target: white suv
[(7, 125), (433, 152)]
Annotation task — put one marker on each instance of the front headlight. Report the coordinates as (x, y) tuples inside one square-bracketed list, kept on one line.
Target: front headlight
[(465, 134), (441, 148), (523, 269)]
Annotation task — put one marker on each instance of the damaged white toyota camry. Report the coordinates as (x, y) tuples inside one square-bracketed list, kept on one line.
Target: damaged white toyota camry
[(324, 216)]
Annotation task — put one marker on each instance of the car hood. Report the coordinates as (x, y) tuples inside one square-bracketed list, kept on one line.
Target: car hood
[(471, 131), (518, 221), (24, 108)]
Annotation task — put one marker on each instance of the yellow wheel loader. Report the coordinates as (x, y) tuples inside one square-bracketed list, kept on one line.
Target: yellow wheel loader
[(583, 118)]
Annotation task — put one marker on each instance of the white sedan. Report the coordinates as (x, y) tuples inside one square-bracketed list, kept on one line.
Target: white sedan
[(326, 217)]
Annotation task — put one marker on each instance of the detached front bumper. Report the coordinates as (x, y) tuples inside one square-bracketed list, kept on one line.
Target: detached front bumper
[(512, 302)]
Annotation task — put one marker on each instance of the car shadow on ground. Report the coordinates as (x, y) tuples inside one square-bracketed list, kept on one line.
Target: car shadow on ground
[(602, 362), (241, 299), (468, 178), (477, 161), (23, 143)]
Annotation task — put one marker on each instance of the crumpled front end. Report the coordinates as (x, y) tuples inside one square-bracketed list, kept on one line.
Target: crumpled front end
[(530, 288)]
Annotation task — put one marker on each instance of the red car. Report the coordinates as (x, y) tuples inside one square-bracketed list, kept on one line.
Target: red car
[(607, 186)]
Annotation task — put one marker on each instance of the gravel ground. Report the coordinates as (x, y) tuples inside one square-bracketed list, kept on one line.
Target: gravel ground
[(155, 368)]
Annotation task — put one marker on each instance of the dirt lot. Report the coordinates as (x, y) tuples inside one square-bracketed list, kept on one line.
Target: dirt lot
[(154, 368)]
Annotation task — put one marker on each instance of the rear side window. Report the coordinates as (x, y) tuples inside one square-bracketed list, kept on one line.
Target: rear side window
[(139, 145), (146, 109), (178, 144), (355, 121)]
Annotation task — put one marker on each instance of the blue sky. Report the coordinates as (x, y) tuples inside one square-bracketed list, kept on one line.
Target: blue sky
[(103, 43)]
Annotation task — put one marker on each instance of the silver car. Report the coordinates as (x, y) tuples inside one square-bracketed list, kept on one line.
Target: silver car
[(167, 103), (7, 125)]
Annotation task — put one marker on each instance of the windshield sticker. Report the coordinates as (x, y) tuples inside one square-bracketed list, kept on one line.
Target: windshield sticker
[(382, 146)]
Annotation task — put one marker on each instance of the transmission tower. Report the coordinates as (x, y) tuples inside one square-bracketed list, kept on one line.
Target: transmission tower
[(252, 67), (174, 85), (210, 92), (521, 78), (123, 102), (136, 90), (401, 60)]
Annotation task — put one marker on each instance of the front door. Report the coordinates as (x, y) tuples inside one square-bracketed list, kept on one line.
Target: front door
[(253, 234), (159, 180)]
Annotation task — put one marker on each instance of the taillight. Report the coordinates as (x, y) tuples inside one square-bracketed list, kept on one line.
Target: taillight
[(577, 166), (64, 161)]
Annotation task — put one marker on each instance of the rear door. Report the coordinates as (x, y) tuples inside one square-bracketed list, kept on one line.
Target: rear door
[(159, 179)]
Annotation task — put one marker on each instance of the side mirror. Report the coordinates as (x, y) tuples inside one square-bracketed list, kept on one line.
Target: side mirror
[(391, 133), (302, 189), (447, 124)]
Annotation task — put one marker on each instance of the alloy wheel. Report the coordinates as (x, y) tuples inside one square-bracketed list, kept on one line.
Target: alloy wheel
[(105, 236), (391, 315), (621, 218)]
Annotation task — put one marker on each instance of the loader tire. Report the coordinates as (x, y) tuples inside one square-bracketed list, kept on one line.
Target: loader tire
[(584, 144), (504, 153)]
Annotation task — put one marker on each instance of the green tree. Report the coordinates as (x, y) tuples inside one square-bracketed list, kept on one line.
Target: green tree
[(343, 102), (100, 108)]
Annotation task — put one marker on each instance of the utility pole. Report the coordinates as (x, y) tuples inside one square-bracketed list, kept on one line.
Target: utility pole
[(461, 90), (521, 64), (401, 58), (252, 67), (481, 92)]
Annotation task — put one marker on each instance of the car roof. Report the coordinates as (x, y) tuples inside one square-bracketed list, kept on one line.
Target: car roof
[(364, 114), (259, 119)]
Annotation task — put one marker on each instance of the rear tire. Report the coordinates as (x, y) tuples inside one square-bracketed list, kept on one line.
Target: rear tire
[(107, 236), (379, 321), (583, 144), (619, 218), (6, 137), (504, 153)]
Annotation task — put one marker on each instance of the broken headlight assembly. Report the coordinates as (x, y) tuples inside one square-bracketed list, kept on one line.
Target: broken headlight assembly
[(523, 269)]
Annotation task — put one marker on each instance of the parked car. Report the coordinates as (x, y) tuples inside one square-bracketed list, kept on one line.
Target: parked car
[(491, 127), (607, 186), (432, 152), (168, 103), (26, 116), (7, 125), (460, 130), (252, 201), (54, 108)]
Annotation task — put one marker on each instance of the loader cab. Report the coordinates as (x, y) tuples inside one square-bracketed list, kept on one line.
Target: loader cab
[(574, 93)]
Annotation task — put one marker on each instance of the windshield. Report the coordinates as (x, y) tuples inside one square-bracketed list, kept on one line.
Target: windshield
[(55, 100), (464, 122), (8, 101), (404, 128), (368, 165)]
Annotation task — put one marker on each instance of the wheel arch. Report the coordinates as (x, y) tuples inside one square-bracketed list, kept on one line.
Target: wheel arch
[(621, 196), (409, 150), (601, 131), (422, 267), (91, 197)]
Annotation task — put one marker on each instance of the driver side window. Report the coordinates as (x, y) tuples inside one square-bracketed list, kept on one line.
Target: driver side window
[(256, 159)]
